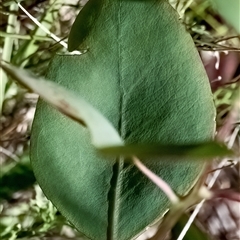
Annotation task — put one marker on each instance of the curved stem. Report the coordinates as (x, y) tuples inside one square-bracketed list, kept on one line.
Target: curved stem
[(157, 180)]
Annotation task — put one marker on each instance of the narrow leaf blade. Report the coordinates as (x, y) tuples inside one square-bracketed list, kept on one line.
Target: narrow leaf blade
[(67, 102), (205, 150), (230, 11)]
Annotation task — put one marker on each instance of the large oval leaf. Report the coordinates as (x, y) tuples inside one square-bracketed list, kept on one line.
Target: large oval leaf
[(84, 21), (143, 73)]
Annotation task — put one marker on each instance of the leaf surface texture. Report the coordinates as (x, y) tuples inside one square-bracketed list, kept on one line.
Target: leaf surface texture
[(142, 72)]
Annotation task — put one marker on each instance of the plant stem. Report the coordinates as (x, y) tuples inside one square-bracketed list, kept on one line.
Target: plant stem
[(24, 37), (7, 50), (157, 180), (42, 29)]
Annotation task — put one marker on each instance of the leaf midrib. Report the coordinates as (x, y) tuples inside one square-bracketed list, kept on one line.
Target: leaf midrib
[(116, 181)]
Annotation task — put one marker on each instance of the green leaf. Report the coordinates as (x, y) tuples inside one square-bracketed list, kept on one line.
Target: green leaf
[(230, 11), (102, 131), (194, 231), (84, 23), (143, 73), (204, 151)]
